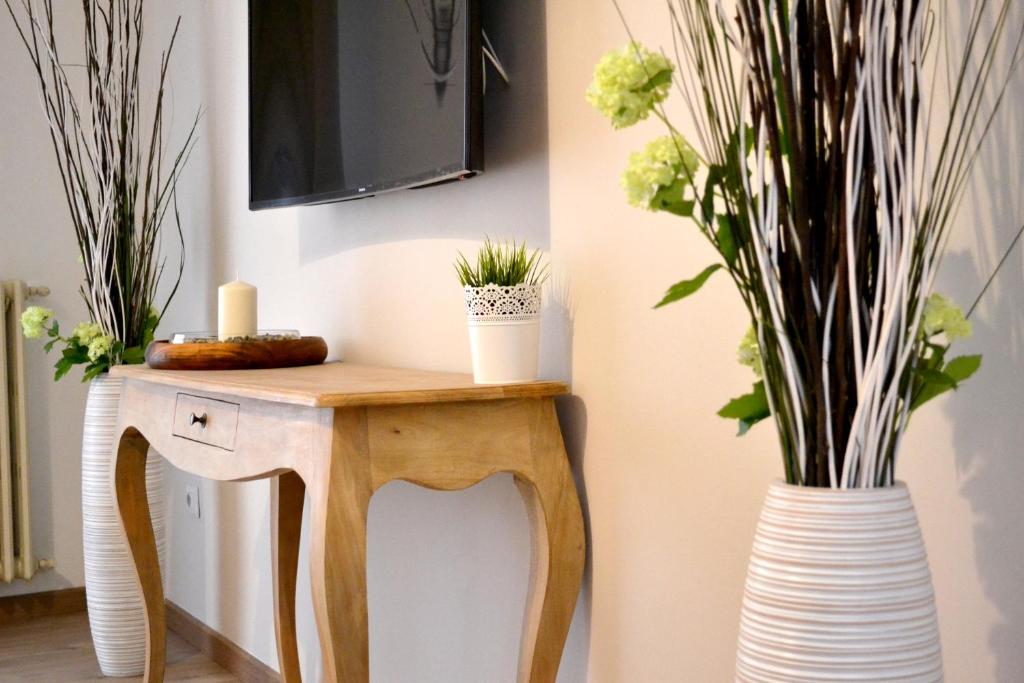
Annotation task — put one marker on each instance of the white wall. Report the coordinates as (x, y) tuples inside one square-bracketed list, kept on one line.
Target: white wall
[(37, 245), (447, 571), (672, 495)]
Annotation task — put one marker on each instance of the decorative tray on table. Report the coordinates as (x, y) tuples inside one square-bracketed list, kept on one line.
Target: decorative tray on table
[(264, 351)]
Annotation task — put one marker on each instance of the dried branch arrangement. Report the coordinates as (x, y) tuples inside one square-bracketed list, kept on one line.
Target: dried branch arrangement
[(119, 178), (834, 141)]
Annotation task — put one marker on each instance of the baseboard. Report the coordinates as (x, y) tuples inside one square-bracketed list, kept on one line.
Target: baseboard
[(218, 648), (18, 608)]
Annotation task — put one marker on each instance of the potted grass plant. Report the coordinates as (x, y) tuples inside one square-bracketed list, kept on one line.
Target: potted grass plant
[(119, 177), (831, 145), (503, 300)]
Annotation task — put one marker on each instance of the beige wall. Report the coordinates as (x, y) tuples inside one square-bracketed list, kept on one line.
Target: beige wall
[(673, 495)]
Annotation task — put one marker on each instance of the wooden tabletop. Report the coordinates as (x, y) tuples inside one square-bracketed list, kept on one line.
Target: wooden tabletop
[(333, 385)]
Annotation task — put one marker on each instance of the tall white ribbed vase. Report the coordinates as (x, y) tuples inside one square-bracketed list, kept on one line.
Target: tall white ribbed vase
[(838, 589), (116, 617)]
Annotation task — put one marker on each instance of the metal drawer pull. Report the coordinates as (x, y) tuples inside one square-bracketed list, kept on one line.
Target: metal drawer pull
[(200, 420)]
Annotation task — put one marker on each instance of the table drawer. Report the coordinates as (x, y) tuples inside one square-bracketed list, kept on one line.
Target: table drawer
[(206, 420)]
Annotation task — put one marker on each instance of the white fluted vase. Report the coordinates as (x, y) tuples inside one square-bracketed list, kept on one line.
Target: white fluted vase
[(838, 589), (116, 616)]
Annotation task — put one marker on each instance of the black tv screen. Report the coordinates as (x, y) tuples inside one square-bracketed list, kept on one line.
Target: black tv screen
[(351, 98)]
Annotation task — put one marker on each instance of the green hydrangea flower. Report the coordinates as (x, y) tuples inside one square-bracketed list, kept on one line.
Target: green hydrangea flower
[(658, 166), (34, 320), (628, 83), (749, 353), (86, 332), (99, 347), (942, 316)]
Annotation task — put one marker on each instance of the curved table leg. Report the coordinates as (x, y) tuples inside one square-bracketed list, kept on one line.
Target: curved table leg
[(556, 525), (339, 493), (129, 482), (287, 493)]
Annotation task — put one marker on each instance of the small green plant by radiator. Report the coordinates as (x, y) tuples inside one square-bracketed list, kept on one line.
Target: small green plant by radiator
[(87, 344)]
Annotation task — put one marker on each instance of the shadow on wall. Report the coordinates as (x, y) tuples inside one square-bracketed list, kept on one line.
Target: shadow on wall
[(557, 327), (990, 467), (262, 639), (509, 200), (572, 415)]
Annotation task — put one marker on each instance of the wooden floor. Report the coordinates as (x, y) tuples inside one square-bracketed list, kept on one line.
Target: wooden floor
[(59, 649)]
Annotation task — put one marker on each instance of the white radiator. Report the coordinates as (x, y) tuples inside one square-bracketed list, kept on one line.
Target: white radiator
[(16, 559)]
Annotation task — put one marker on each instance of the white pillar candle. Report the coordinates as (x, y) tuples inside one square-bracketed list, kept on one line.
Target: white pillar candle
[(236, 310)]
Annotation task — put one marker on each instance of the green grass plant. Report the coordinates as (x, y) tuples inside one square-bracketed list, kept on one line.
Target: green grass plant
[(504, 264)]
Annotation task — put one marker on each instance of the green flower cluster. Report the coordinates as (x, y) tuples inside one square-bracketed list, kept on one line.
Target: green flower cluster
[(749, 352), (86, 332), (34, 321), (665, 164), (942, 316), (87, 344), (97, 344), (628, 83), (100, 347)]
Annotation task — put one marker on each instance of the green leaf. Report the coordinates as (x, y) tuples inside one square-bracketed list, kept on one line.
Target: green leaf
[(683, 208), (96, 369), (663, 77), (707, 201), (962, 368), (927, 392), (48, 346), (745, 425), (670, 199), (149, 332), (937, 377), (934, 383), (726, 243), (133, 356), (63, 367), (685, 288), (749, 409), (931, 383), (54, 331), (935, 358), (75, 354)]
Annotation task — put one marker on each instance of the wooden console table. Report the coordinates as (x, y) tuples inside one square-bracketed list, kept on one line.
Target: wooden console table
[(342, 431)]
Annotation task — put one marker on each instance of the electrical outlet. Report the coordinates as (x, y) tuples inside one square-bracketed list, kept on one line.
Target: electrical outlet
[(192, 501)]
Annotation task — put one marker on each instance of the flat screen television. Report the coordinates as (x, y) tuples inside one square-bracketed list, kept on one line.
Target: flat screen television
[(352, 98)]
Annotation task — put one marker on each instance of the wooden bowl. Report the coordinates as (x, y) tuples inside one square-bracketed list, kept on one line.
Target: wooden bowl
[(247, 355)]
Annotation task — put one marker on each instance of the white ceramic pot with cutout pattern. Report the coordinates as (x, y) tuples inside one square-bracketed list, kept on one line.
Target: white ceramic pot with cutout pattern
[(504, 332), (116, 617), (838, 589)]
